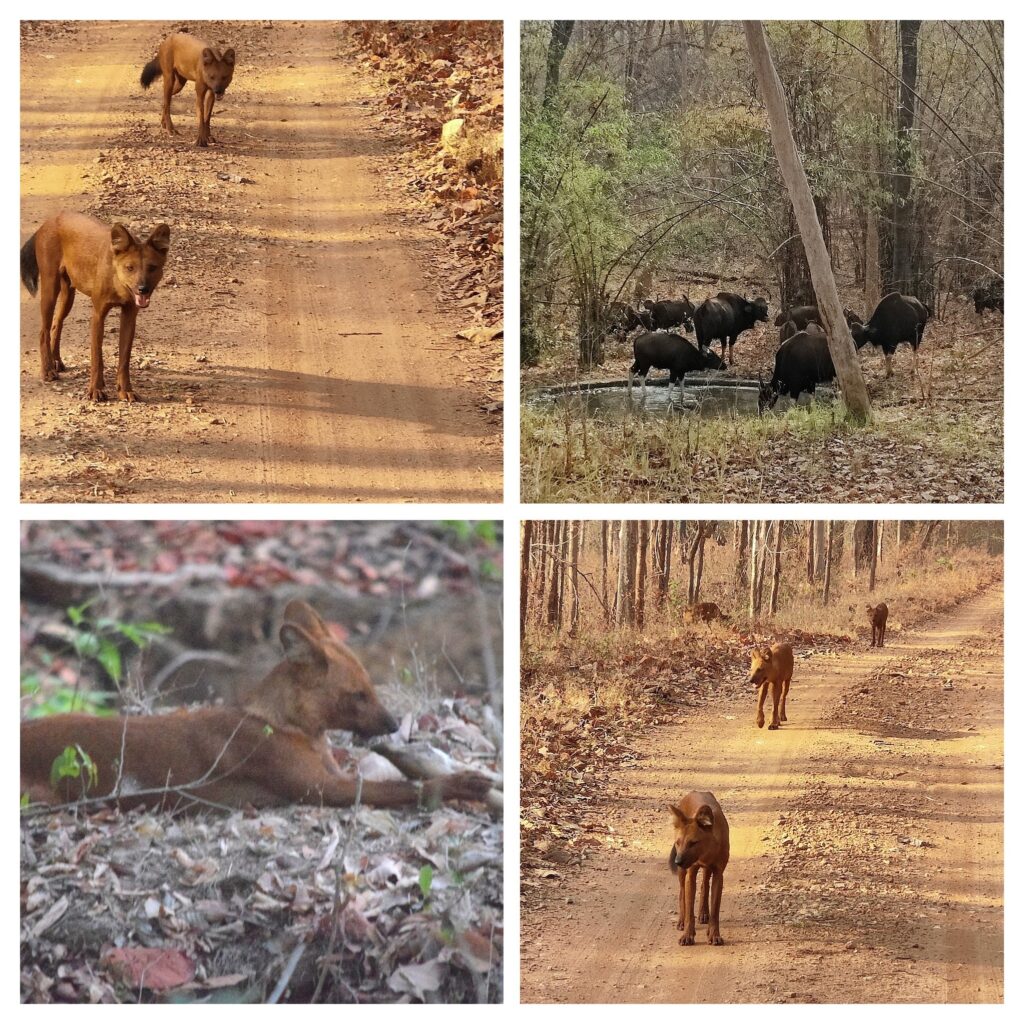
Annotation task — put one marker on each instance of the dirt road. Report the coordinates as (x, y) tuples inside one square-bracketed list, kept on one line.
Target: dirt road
[(867, 845), (297, 349)]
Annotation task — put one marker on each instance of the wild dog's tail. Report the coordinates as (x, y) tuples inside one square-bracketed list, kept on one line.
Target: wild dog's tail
[(30, 266), (150, 73)]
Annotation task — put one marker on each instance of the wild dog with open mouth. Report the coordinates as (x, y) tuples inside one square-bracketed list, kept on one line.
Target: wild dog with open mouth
[(183, 58), (74, 252), (772, 667)]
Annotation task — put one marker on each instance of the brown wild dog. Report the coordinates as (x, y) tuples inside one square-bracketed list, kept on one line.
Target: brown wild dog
[(183, 58), (772, 666), (73, 252), (704, 611), (702, 841), (878, 615), (271, 751)]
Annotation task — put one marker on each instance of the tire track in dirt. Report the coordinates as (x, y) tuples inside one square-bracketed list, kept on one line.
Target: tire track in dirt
[(297, 351), (825, 898)]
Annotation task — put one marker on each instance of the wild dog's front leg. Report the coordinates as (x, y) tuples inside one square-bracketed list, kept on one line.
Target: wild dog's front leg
[(208, 114), (129, 314), (714, 932), (704, 880), (761, 695), (204, 131), (96, 390), (689, 926)]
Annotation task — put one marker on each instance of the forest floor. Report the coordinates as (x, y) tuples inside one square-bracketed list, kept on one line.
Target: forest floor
[(328, 326), (866, 834), (934, 438)]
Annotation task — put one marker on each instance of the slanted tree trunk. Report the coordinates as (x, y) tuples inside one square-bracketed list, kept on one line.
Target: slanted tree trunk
[(840, 342)]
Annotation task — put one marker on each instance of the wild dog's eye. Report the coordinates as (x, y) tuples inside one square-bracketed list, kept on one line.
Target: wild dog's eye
[(152, 267)]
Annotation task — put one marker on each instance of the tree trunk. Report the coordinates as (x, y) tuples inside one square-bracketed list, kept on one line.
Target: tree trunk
[(574, 569), (819, 546), (810, 551), (828, 562), (524, 577), (560, 33), (755, 543), (625, 593), (902, 199), (741, 552), (641, 573), (873, 563), (773, 604), (876, 110), (840, 341), (666, 561), (604, 568)]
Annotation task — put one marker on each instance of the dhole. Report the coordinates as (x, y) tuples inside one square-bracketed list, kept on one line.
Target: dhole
[(703, 611), (878, 615), (271, 751), (72, 252), (702, 841), (772, 667), (183, 58)]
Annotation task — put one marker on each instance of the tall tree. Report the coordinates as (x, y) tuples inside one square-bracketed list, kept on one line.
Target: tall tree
[(840, 341), (903, 171), (524, 577)]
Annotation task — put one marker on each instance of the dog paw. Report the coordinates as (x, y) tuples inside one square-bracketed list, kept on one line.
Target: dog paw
[(127, 396), (716, 940), (685, 940), (774, 725), (760, 723), (97, 395), (202, 142)]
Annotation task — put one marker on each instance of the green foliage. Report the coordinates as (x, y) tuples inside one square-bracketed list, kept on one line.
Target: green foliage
[(96, 638), (74, 763), (61, 698), (426, 880)]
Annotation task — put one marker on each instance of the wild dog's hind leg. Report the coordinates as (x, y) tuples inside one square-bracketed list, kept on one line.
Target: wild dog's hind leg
[(47, 301), (714, 930), (65, 300), (785, 694)]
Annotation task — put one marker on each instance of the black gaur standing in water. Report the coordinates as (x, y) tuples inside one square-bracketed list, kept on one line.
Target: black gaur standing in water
[(669, 352), (802, 362), (725, 317), (896, 319)]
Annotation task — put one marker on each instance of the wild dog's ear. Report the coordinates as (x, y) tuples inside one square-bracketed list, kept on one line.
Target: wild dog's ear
[(705, 817), (229, 56), (301, 614), (677, 814), (160, 239), (300, 648), (121, 238), (208, 56)]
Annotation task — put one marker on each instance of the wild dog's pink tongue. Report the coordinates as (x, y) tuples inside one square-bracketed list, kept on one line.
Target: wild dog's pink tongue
[(142, 301)]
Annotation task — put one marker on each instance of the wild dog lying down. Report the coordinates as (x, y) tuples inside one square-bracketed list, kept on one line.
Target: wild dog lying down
[(772, 667), (73, 252), (271, 751), (183, 58), (702, 841), (878, 615)]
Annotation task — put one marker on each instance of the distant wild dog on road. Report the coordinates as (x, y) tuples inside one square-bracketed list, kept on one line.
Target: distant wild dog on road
[(271, 751), (702, 841), (878, 615), (72, 252), (704, 611), (183, 58), (772, 666)]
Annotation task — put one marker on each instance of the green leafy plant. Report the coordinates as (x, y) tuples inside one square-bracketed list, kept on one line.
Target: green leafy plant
[(97, 638), (426, 880), (74, 763)]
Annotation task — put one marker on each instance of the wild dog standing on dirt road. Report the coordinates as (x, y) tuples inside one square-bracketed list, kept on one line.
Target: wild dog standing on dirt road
[(270, 752), (772, 666), (183, 58), (878, 615), (702, 841), (73, 252)]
